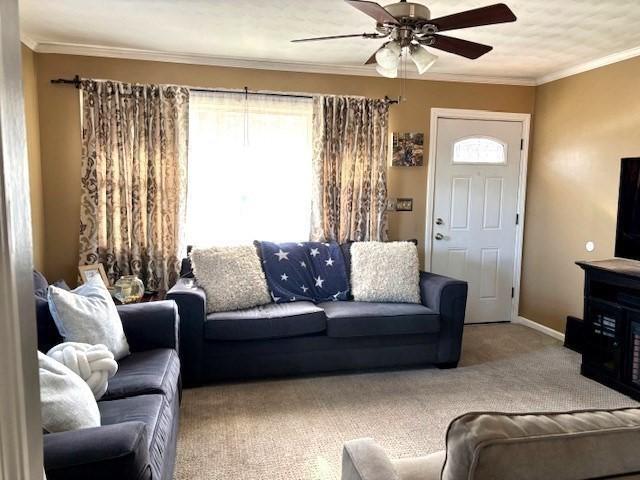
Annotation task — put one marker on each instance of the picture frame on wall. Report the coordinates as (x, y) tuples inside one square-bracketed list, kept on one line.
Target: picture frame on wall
[(407, 149), (89, 271)]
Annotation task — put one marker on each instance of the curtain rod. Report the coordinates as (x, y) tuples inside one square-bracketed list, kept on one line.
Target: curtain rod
[(76, 82)]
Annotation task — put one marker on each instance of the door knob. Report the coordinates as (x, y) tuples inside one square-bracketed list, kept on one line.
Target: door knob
[(439, 221), (439, 236)]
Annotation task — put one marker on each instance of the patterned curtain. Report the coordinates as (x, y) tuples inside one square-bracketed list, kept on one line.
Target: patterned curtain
[(350, 169), (134, 161)]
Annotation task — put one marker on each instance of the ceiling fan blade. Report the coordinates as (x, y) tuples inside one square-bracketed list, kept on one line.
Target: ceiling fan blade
[(372, 59), (333, 37), (464, 48), (498, 13), (375, 11)]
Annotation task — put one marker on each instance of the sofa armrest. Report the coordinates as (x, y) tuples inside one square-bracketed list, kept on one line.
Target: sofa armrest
[(364, 459), (150, 325), (100, 453), (448, 297), (192, 307)]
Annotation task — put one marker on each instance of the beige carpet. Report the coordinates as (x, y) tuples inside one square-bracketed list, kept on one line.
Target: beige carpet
[(294, 428)]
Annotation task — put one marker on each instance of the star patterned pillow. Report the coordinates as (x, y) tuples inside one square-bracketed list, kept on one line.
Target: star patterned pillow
[(311, 271)]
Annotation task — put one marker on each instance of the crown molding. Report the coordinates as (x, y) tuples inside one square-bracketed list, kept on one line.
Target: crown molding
[(590, 65), (196, 59), (28, 41)]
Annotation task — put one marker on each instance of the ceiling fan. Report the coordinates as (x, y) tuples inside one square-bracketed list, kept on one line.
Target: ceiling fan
[(410, 29)]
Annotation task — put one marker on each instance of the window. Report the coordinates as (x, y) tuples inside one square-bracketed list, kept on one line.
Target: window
[(249, 169), (482, 150)]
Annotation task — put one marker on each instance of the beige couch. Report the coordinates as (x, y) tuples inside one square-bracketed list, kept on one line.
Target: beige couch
[(593, 444)]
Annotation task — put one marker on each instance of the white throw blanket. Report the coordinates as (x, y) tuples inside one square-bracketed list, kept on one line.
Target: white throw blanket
[(93, 363)]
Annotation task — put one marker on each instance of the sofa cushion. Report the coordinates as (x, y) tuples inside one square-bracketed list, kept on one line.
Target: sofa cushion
[(362, 319), (346, 253), (149, 372), (266, 321), (232, 276), (102, 453), (154, 411), (308, 271), (40, 284), (385, 272), (143, 408), (89, 315), (66, 401), (48, 334)]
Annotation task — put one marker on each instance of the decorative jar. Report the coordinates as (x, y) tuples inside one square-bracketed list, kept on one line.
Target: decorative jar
[(129, 289)]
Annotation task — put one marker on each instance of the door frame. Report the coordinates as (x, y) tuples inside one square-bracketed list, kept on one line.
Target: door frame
[(20, 424), (460, 114)]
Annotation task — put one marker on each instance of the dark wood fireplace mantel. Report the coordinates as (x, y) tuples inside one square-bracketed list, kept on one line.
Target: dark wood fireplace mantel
[(611, 352), (619, 266)]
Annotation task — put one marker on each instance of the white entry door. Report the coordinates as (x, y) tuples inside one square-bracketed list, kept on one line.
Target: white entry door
[(477, 170)]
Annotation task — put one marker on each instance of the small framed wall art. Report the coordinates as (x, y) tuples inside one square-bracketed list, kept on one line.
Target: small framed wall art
[(408, 150)]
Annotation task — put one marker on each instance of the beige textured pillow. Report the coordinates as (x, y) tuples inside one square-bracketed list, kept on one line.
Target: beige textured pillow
[(385, 272), (231, 277)]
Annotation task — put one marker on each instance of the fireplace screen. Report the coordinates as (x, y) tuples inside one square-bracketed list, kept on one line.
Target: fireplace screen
[(635, 353)]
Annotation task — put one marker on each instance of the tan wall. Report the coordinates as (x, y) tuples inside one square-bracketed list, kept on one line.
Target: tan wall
[(29, 84), (583, 126), (60, 128)]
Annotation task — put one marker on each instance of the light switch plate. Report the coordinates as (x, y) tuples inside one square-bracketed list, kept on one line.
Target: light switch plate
[(404, 204)]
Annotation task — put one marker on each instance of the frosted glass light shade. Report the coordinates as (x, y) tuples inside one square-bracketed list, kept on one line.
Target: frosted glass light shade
[(388, 57), (387, 72), (423, 59)]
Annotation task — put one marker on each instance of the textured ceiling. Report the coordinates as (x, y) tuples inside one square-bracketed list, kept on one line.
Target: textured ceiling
[(548, 36)]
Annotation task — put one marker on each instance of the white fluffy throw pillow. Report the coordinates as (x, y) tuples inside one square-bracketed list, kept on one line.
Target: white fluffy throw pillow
[(93, 363), (66, 400), (88, 315), (231, 277), (385, 272)]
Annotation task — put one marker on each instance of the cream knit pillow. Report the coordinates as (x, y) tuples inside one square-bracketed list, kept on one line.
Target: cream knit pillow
[(231, 277), (385, 272), (92, 363)]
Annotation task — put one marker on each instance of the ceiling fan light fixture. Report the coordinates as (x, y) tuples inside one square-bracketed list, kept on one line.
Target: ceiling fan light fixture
[(388, 57), (409, 28), (387, 72), (423, 59)]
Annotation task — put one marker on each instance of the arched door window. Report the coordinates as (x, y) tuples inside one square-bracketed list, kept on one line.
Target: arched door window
[(479, 150)]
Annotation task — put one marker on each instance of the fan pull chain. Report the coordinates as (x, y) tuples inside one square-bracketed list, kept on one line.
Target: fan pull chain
[(403, 74)]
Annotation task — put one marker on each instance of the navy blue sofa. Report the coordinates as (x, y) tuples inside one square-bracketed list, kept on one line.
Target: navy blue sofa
[(140, 410), (301, 337)]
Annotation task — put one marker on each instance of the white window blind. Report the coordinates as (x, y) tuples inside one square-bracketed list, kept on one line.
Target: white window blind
[(249, 169)]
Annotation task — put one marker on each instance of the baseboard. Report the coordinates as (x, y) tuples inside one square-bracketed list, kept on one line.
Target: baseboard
[(541, 328)]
